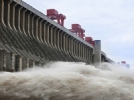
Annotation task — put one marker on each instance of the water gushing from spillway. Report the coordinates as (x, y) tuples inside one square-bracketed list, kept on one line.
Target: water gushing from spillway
[(68, 81)]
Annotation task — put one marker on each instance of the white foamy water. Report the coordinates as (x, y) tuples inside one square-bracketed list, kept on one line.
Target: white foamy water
[(68, 81)]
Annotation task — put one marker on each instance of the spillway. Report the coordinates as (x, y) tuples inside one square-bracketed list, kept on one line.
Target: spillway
[(68, 81)]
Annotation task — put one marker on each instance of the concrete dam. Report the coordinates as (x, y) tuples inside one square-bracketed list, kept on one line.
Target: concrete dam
[(29, 38), (40, 59)]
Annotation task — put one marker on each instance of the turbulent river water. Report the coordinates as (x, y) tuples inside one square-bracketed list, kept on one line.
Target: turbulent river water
[(68, 81)]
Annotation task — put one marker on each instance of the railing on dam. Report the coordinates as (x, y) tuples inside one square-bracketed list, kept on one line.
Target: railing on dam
[(28, 38)]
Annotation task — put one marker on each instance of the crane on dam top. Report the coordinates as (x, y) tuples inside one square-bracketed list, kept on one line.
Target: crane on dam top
[(76, 29), (124, 64), (54, 15), (89, 40)]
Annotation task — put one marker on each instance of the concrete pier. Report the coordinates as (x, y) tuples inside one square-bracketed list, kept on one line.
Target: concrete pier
[(18, 63), (31, 63), (10, 62), (97, 52), (2, 60), (25, 63)]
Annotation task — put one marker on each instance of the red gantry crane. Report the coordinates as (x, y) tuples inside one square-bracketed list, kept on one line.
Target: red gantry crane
[(76, 29), (124, 64), (89, 40), (53, 14)]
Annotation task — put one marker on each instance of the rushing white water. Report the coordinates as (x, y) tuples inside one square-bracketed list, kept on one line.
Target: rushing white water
[(68, 81)]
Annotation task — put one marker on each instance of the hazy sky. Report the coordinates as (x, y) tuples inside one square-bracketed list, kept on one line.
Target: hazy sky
[(111, 21)]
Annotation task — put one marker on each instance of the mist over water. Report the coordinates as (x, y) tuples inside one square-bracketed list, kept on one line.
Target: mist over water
[(68, 81)]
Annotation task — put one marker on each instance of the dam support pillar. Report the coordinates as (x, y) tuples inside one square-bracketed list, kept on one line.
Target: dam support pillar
[(10, 59), (18, 63), (97, 53), (37, 63), (31, 63), (102, 59), (2, 60), (25, 63)]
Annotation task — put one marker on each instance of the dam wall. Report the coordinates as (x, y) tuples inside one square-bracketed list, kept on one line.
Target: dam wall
[(29, 38)]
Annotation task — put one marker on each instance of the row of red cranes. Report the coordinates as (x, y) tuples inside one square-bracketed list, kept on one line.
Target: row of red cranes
[(76, 28)]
